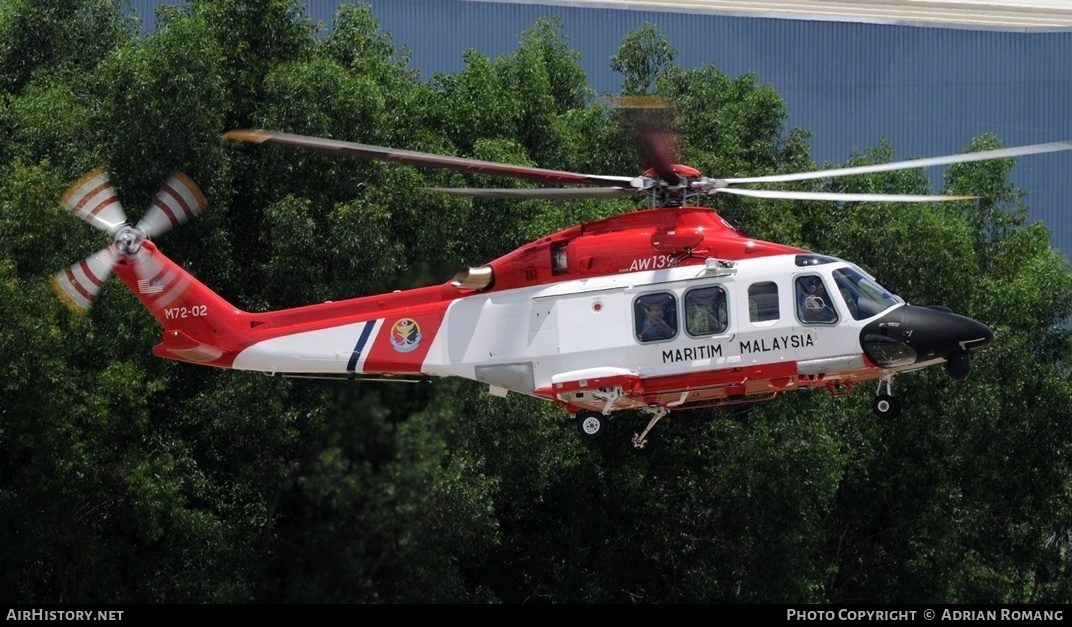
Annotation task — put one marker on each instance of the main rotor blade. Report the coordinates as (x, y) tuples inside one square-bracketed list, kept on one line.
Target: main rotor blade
[(425, 159), (79, 285), (93, 199), (839, 197), (548, 193), (177, 201), (985, 155)]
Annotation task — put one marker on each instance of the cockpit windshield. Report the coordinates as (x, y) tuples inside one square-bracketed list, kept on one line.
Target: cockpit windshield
[(863, 296)]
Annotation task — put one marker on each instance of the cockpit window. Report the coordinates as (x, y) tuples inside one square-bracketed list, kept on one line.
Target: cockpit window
[(814, 305), (863, 296)]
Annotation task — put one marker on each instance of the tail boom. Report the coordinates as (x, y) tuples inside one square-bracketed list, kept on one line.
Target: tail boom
[(376, 337), (384, 334)]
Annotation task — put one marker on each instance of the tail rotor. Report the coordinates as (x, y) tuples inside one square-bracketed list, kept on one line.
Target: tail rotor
[(93, 199)]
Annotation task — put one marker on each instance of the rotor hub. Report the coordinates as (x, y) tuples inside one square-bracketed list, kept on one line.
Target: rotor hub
[(128, 240)]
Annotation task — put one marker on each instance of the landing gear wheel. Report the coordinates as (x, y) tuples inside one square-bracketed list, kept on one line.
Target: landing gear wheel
[(591, 425), (886, 406)]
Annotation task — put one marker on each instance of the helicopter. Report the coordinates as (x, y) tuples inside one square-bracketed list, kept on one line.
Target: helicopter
[(662, 309)]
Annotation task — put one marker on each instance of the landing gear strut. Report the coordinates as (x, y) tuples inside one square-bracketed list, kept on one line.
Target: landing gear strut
[(885, 405), (641, 442)]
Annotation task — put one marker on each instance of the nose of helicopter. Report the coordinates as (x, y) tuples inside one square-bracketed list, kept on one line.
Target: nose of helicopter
[(915, 335)]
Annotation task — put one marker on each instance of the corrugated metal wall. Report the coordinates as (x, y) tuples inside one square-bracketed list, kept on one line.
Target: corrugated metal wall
[(929, 90)]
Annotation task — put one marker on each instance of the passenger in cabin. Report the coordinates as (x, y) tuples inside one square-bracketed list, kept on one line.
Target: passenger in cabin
[(813, 302), (705, 311), (656, 317)]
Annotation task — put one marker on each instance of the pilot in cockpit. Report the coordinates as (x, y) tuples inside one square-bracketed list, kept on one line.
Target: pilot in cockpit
[(813, 302)]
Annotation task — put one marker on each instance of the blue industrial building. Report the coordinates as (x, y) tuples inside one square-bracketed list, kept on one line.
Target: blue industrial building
[(927, 88)]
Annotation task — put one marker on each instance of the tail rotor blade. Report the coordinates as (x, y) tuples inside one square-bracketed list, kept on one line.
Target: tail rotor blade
[(177, 201), (93, 199), (79, 285)]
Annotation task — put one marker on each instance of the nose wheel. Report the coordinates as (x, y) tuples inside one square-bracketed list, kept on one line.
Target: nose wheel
[(885, 405)]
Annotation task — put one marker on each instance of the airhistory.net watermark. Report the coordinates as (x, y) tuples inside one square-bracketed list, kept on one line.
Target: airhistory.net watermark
[(60, 615)]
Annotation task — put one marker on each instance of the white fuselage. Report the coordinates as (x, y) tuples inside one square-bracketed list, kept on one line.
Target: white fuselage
[(524, 339)]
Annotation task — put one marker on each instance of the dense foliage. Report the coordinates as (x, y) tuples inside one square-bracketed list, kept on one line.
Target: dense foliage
[(125, 478)]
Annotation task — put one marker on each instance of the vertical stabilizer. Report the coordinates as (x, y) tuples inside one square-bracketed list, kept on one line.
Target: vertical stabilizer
[(199, 325)]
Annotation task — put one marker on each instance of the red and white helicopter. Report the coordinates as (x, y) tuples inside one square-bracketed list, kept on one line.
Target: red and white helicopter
[(661, 309)]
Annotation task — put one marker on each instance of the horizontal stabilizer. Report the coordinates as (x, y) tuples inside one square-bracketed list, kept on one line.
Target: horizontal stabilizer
[(178, 345)]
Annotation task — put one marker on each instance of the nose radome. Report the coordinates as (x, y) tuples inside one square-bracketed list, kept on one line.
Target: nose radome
[(976, 334), (911, 334)]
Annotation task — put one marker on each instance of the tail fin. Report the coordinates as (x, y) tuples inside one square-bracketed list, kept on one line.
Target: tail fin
[(199, 325)]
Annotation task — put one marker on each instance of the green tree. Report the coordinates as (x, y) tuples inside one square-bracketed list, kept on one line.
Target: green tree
[(644, 54), (57, 37)]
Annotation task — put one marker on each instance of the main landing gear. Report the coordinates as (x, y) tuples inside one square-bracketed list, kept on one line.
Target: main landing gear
[(592, 425), (885, 405)]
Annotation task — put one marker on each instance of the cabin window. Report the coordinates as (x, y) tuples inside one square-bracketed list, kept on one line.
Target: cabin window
[(705, 311), (863, 296), (814, 302), (655, 317), (763, 301)]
